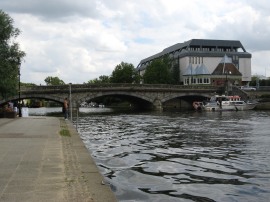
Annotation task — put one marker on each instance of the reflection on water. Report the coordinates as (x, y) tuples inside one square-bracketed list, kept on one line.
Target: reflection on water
[(57, 111), (182, 157), (44, 111)]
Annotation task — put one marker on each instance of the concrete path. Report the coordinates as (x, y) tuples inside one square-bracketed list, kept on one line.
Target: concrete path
[(39, 164)]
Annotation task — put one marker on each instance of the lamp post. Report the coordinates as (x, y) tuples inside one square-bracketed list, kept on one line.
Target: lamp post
[(19, 102), (227, 83), (70, 102)]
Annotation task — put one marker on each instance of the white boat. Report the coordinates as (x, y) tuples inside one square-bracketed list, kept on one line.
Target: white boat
[(227, 103)]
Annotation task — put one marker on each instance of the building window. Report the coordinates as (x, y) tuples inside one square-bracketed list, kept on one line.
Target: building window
[(206, 80)]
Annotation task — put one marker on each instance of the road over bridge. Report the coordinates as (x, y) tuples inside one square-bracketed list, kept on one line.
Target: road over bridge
[(155, 97)]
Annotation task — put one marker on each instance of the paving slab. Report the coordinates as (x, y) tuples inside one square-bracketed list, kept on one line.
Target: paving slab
[(38, 164)]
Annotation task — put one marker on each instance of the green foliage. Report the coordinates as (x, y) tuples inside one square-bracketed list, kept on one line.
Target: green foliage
[(265, 82), (125, 73), (93, 81), (265, 96), (64, 129), (158, 72), (101, 79), (253, 81), (10, 56), (175, 74), (262, 82), (27, 84), (50, 81), (104, 79), (175, 71), (65, 132)]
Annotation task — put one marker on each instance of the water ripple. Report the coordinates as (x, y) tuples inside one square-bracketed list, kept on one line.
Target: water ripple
[(182, 157)]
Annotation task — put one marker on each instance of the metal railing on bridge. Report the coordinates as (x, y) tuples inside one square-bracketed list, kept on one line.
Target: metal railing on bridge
[(114, 86)]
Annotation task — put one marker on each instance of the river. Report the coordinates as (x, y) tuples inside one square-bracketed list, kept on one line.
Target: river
[(184, 156)]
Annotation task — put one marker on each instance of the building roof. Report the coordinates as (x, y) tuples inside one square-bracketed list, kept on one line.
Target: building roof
[(226, 59), (199, 70), (197, 47), (204, 43), (202, 70), (226, 67), (189, 70)]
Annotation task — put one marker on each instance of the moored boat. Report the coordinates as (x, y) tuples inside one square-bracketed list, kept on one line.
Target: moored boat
[(227, 103)]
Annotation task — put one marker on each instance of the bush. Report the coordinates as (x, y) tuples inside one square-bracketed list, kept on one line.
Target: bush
[(265, 96)]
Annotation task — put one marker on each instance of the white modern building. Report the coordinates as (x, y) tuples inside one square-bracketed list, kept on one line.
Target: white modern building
[(203, 56)]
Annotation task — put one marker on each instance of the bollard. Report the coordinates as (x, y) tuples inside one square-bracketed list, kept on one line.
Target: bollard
[(77, 119)]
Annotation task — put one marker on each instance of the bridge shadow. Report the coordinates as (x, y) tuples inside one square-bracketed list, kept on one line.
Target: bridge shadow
[(16, 99), (123, 101), (182, 103)]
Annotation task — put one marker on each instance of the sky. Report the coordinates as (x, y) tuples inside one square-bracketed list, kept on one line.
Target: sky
[(81, 40)]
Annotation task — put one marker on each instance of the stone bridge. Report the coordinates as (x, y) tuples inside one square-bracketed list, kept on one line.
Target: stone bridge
[(153, 96)]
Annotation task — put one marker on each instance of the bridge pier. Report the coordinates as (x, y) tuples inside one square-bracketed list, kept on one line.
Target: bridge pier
[(158, 105)]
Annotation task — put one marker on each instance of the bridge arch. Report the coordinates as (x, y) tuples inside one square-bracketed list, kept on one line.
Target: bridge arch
[(195, 95), (101, 94), (182, 101), (132, 96), (34, 96)]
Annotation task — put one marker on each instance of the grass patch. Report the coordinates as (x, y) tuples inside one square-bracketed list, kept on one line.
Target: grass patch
[(65, 132), (64, 129)]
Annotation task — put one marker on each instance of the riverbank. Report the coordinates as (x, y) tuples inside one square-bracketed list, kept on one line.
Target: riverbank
[(39, 164), (264, 104)]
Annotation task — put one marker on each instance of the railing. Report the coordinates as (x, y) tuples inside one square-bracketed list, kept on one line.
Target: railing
[(113, 86)]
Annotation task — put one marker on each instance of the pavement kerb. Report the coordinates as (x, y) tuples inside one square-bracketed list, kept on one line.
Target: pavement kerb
[(81, 168)]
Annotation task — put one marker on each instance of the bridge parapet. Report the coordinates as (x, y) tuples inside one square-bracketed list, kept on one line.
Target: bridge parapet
[(81, 87)]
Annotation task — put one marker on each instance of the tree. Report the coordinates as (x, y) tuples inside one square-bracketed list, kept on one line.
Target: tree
[(158, 72), (262, 82), (50, 81), (101, 79), (104, 79), (10, 56), (125, 73), (28, 84)]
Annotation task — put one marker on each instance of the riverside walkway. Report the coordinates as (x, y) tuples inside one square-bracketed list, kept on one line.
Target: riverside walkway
[(38, 164)]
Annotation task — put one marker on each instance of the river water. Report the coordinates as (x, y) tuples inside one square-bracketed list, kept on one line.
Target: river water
[(183, 156)]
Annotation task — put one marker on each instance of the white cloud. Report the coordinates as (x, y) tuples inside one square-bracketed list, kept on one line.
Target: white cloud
[(260, 65), (81, 40)]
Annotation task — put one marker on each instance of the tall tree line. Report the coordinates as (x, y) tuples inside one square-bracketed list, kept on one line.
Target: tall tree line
[(10, 56)]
